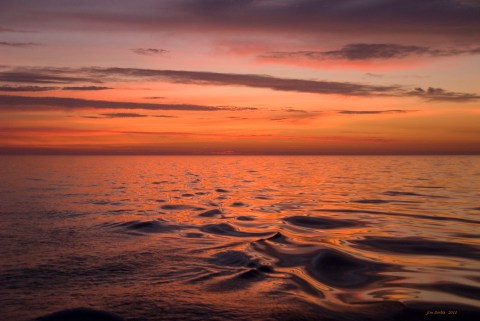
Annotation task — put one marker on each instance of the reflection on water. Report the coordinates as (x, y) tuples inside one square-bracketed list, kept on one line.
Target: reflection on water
[(240, 238)]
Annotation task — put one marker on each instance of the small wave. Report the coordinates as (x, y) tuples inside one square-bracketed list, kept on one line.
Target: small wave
[(466, 291), (339, 269), (399, 193), (371, 201), (278, 238), (426, 217), (245, 218), (230, 258), (319, 222), (420, 246), (228, 230), (211, 213), (179, 207), (81, 314), (155, 226), (239, 204)]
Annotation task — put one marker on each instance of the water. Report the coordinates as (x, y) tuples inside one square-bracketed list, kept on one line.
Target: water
[(240, 237)]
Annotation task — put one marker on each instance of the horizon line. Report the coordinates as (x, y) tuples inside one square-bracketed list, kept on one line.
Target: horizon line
[(239, 154)]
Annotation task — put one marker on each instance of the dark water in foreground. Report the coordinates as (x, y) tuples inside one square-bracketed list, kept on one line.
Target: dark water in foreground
[(241, 238)]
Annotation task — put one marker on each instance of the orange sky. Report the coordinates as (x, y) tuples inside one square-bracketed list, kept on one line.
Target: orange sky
[(253, 77)]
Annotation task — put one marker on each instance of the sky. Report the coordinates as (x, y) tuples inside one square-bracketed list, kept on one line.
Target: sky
[(240, 77)]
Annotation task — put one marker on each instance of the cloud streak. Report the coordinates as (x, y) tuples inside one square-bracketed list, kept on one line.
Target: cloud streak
[(19, 44), (276, 83), (375, 112), (87, 88), (149, 51), (248, 80), (123, 115), (26, 88), (57, 75), (439, 94), (370, 51), (21, 103), (43, 76)]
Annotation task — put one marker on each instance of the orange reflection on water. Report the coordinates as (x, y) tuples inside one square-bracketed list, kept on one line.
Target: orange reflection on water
[(237, 233)]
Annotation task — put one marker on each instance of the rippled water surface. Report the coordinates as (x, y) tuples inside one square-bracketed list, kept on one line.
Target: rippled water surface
[(240, 237)]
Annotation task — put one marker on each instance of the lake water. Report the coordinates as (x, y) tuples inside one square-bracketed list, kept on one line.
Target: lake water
[(241, 237)]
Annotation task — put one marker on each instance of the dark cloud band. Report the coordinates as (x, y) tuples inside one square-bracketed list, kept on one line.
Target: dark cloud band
[(452, 19), (25, 88), (42, 76), (366, 51), (55, 76), (87, 88), (247, 80), (18, 103), (19, 44)]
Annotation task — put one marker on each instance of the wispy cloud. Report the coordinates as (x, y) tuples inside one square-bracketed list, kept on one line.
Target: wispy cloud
[(439, 94), (149, 51), (19, 44), (43, 76), (375, 112), (26, 88), (237, 118), (16, 103), (123, 115), (87, 88), (126, 115), (371, 51), (293, 110), (165, 116), (369, 74)]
